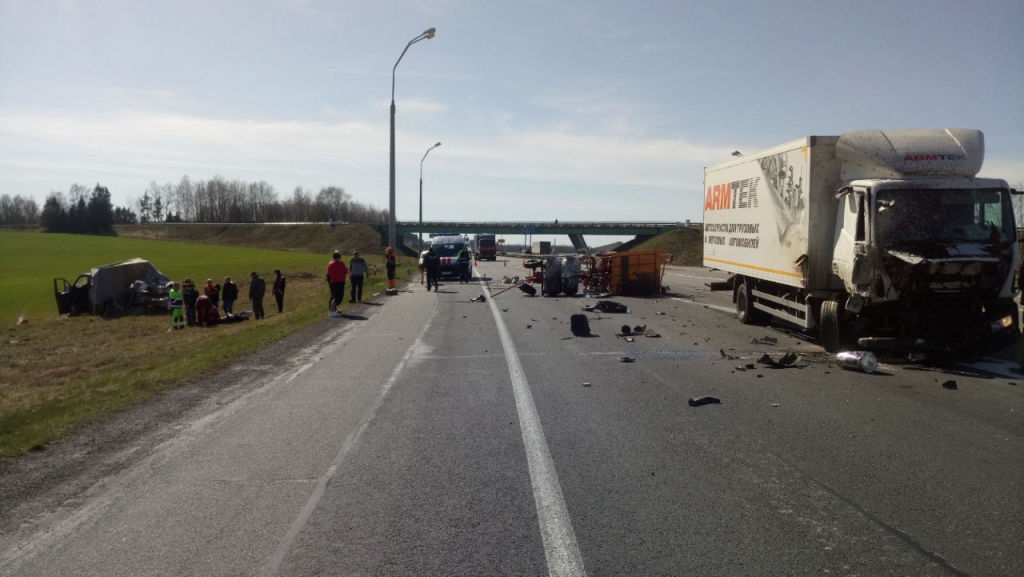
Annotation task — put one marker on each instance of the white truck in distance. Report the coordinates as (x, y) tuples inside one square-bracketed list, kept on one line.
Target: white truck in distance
[(883, 237)]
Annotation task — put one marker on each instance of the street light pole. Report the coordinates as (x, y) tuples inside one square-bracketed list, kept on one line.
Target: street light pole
[(425, 35), (421, 194)]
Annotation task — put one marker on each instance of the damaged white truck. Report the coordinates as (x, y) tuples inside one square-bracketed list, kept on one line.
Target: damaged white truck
[(883, 238)]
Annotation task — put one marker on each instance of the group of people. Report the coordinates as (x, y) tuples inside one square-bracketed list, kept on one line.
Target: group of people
[(338, 273), (430, 265), (190, 307)]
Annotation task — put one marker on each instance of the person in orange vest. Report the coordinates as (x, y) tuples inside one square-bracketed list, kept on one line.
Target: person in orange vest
[(389, 266)]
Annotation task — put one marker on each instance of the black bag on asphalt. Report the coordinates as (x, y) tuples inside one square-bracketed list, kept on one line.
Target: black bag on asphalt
[(610, 307), (579, 324)]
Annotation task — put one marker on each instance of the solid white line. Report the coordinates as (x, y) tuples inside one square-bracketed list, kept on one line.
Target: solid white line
[(728, 310), (560, 547), (696, 277), (273, 566)]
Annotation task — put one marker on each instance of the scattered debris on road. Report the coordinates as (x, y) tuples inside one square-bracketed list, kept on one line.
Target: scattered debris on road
[(478, 299), (764, 341), (579, 324), (608, 307), (627, 360), (864, 361), (701, 401), (950, 384), (787, 360)]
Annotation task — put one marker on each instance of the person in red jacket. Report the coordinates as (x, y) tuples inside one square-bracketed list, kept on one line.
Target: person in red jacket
[(389, 267), (337, 272)]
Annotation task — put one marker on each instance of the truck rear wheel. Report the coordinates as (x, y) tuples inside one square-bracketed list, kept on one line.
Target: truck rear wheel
[(828, 325), (745, 310)]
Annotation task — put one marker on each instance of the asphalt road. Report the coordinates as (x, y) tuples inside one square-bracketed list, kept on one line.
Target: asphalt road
[(432, 435)]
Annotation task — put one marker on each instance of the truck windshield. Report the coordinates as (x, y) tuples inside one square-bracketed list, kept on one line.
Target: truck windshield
[(909, 216)]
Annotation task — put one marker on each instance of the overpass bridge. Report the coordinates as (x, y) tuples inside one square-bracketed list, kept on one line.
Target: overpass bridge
[(573, 229)]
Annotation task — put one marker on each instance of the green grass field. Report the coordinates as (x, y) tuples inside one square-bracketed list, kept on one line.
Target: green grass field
[(58, 372), (31, 261)]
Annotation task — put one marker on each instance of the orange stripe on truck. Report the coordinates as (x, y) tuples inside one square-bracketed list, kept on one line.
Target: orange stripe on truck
[(761, 268)]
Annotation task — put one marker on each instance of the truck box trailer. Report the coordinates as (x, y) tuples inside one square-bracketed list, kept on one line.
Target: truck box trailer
[(541, 247), (883, 237)]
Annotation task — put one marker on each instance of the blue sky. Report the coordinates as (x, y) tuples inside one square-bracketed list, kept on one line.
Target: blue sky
[(576, 110)]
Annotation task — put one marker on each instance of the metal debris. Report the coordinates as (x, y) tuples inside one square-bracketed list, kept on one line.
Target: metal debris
[(858, 360), (788, 360), (608, 307), (701, 401), (950, 384)]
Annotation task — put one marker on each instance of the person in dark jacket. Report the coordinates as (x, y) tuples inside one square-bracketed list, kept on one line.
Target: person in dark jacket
[(212, 291), (257, 288), (189, 295), (230, 294), (432, 262), (356, 272), (279, 282), (463, 262)]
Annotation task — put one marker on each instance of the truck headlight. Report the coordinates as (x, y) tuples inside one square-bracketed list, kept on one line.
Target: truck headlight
[(1001, 324)]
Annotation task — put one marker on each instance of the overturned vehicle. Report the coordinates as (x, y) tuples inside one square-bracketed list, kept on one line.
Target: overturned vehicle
[(131, 287)]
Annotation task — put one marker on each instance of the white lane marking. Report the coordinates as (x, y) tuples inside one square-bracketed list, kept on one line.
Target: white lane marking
[(560, 547), (273, 566), (714, 278), (729, 310)]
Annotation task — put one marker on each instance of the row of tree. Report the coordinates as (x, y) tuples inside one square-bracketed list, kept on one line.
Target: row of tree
[(18, 210), (219, 200), (83, 211)]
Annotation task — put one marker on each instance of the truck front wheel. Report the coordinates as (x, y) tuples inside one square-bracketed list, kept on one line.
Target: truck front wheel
[(828, 325)]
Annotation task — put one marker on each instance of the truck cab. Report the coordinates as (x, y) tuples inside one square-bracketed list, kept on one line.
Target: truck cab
[(921, 260)]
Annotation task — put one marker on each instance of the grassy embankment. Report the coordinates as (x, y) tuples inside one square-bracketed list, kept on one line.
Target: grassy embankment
[(59, 372), (684, 244)]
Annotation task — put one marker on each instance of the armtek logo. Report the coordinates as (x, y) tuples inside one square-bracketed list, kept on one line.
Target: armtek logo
[(735, 194), (933, 157)]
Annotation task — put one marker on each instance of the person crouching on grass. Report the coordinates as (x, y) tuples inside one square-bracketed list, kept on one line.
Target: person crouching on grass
[(336, 274)]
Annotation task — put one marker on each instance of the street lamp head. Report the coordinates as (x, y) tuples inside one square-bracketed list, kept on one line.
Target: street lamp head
[(436, 145), (429, 33)]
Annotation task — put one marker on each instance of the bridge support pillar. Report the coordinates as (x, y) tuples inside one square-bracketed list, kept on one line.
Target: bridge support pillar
[(577, 242)]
